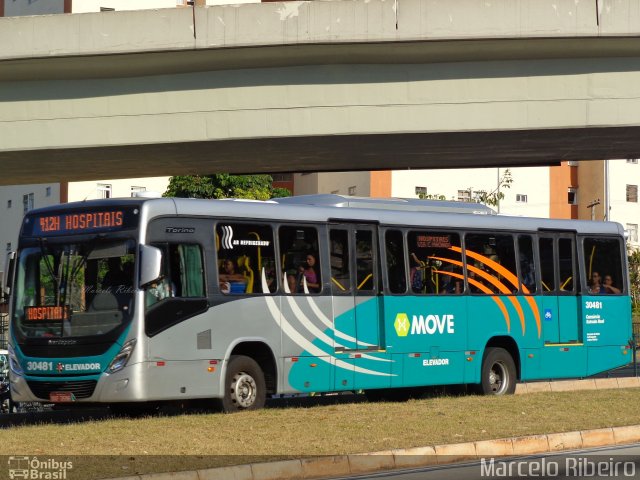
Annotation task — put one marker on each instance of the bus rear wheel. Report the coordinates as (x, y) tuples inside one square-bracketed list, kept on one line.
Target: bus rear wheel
[(498, 375), (245, 387)]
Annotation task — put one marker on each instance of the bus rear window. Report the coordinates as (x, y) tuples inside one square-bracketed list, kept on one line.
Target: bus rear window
[(603, 266)]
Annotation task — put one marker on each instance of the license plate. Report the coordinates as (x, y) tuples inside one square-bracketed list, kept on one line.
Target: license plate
[(62, 397)]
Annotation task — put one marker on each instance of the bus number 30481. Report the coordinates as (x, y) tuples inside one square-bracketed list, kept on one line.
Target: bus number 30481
[(43, 366)]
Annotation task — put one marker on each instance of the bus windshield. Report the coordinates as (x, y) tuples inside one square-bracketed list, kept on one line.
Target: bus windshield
[(73, 289)]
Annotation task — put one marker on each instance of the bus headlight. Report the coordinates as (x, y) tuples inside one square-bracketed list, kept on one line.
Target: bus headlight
[(14, 364), (121, 359)]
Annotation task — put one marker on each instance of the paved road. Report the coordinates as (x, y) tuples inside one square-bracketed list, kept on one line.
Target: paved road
[(614, 462)]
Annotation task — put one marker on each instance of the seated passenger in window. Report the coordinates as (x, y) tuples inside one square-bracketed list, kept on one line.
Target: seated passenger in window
[(608, 285), (308, 271), (228, 275), (595, 286)]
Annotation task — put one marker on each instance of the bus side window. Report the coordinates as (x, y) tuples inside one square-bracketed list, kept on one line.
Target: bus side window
[(182, 274), (396, 270), (435, 263), (300, 259), (604, 257), (187, 272), (339, 251), (547, 275), (491, 264), (565, 266), (249, 247), (527, 264)]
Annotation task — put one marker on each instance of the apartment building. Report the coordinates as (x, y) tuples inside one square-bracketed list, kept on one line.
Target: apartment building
[(16, 200), (594, 189), (528, 194)]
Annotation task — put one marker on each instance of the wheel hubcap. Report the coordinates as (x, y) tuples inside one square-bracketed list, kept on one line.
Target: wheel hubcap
[(243, 390), (498, 378)]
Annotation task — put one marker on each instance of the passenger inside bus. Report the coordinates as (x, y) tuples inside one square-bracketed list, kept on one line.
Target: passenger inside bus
[(608, 285), (309, 273), (231, 281), (595, 286)]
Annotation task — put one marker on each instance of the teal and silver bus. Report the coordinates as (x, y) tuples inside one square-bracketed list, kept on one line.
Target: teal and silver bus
[(129, 301)]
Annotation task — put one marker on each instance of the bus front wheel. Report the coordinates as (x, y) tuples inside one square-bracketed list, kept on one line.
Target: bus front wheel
[(498, 373), (245, 385)]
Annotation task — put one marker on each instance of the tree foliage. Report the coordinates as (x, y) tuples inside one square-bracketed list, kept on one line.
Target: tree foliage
[(634, 277), (224, 185), (493, 197)]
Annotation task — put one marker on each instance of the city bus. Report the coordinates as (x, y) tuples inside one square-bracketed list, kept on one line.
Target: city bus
[(140, 301)]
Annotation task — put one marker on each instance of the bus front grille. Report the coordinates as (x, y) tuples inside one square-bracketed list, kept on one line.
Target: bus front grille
[(80, 389)]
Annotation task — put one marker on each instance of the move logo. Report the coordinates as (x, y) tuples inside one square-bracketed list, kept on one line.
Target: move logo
[(424, 325), (402, 324)]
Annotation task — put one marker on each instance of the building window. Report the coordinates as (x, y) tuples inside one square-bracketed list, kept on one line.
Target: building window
[(8, 246), (421, 191), (282, 177), (352, 190), (135, 190), (632, 193), (107, 9), (48, 191), (521, 198), (8, 203), (632, 160), (632, 229), (28, 202), (572, 196), (464, 195), (104, 190)]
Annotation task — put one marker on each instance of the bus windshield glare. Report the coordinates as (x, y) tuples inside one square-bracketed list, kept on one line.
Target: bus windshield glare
[(73, 289)]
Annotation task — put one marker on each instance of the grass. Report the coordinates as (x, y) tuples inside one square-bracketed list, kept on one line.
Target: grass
[(132, 445)]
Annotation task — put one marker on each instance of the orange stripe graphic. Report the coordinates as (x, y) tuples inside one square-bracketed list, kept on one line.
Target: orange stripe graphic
[(496, 283), (482, 288), (506, 274)]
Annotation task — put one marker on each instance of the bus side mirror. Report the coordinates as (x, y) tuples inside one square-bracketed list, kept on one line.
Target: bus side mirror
[(150, 264), (7, 277)]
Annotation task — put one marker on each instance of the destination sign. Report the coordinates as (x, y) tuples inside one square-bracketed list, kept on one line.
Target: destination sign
[(46, 313), (433, 241), (80, 222)]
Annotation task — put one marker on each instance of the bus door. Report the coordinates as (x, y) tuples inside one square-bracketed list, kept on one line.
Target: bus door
[(561, 304), (356, 309)]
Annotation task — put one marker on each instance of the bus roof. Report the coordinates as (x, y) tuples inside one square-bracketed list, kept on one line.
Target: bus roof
[(336, 208)]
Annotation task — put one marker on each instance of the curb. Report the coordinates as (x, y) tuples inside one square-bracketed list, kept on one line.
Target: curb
[(344, 465), (576, 385), (361, 463)]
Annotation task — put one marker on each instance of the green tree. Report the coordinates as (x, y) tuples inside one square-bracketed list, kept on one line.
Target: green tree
[(429, 196), (224, 185), (493, 197)]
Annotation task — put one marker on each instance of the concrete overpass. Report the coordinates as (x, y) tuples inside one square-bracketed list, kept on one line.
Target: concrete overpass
[(318, 86)]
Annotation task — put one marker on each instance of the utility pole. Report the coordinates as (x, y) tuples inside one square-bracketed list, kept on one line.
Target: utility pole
[(591, 206)]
